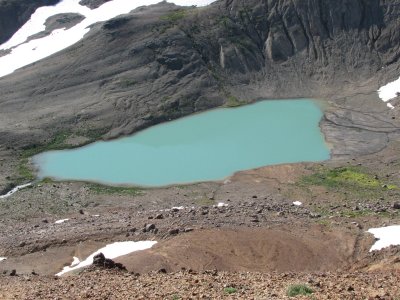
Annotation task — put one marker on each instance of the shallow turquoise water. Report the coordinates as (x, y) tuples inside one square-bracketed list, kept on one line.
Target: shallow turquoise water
[(202, 147)]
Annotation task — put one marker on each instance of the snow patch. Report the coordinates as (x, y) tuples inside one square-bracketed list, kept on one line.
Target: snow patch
[(386, 236), (75, 261), (221, 204), (24, 53), (3, 258), (61, 221), (297, 203), (390, 105), (172, 208), (16, 189), (389, 92), (178, 208), (111, 251)]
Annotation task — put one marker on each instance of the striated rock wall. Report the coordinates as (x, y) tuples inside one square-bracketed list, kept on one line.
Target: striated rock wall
[(305, 43)]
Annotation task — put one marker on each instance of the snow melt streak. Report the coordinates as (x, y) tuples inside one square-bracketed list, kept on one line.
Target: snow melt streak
[(23, 54), (110, 251), (14, 190)]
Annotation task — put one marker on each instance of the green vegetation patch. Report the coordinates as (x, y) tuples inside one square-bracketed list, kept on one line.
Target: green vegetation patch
[(230, 290), (232, 101), (345, 176), (204, 201), (356, 213), (93, 134), (47, 180), (175, 16), (299, 289), (59, 142), (121, 190), (324, 222), (24, 171), (224, 21)]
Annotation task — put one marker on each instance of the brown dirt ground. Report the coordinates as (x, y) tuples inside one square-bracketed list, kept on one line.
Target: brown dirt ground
[(244, 249)]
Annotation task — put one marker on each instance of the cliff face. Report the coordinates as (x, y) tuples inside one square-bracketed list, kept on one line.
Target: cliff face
[(15, 13), (301, 42), (163, 62)]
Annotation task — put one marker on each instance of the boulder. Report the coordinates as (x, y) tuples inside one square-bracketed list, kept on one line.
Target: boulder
[(149, 227), (101, 261)]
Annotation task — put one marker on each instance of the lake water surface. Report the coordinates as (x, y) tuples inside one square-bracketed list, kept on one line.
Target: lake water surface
[(202, 147)]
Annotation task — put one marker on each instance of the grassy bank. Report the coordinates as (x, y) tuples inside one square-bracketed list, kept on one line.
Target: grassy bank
[(59, 141), (110, 190), (346, 191)]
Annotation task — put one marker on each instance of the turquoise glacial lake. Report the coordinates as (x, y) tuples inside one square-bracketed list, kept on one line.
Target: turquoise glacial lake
[(202, 147)]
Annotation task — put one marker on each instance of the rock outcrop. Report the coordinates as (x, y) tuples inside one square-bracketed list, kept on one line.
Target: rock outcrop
[(93, 3), (99, 260)]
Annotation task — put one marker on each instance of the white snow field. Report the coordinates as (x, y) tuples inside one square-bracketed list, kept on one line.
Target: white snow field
[(110, 251), (389, 91), (24, 53), (387, 236)]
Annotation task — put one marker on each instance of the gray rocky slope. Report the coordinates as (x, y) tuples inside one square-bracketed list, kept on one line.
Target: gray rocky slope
[(162, 62)]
